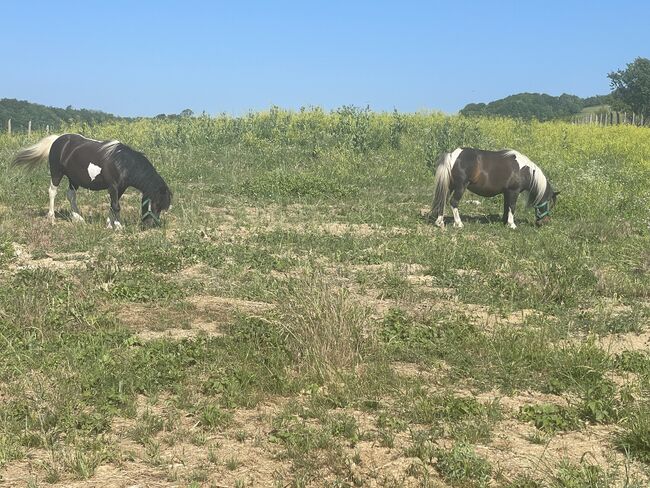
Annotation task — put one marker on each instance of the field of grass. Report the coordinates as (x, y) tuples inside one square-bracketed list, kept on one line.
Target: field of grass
[(299, 322)]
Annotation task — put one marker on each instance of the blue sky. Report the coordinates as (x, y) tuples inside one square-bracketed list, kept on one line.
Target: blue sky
[(149, 57)]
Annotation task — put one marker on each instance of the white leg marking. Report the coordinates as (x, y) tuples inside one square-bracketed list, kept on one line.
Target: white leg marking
[(511, 219), (440, 221), (109, 224), (457, 222), (117, 225), (52, 191), (72, 197)]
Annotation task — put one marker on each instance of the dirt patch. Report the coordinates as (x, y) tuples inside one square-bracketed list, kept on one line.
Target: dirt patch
[(514, 402), (632, 341), (224, 304), (196, 316), (413, 370), (52, 261), (198, 272), (513, 453)]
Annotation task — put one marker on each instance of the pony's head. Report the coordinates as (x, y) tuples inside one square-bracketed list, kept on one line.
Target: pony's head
[(154, 204), (543, 209)]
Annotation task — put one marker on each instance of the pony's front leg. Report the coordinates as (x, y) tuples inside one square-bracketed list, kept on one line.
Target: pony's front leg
[(113, 221), (72, 198), (509, 206)]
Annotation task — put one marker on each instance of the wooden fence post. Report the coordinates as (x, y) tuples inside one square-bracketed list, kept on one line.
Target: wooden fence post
[(29, 128), (9, 126), (47, 129)]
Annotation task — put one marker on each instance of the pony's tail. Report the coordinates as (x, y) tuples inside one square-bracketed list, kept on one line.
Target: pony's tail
[(31, 156), (441, 184)]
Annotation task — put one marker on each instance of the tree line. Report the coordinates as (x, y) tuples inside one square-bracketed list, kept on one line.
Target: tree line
[(538, 106), (630, 93), (21, 112)]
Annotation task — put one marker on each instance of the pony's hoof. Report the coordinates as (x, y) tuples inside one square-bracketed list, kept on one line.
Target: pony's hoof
[(50, 218), (117, 226), (77, 218), (459, 225), (440, 222), (512, 226)]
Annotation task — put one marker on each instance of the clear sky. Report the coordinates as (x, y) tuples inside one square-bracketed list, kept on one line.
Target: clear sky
[(148, 57)]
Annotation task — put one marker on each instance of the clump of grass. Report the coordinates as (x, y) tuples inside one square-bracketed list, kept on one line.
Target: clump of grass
[(549, 417), (327, 332), (144, 286), (213, 417), (634, 438), (148, 426), (584, 474), (461, 466)]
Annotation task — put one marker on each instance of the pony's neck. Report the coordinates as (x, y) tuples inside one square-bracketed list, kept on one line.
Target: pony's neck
[(148, 183)]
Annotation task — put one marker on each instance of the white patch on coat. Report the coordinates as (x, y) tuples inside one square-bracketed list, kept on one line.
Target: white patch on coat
[(511, 220), (93, 171), (454, 156), (457, 221)]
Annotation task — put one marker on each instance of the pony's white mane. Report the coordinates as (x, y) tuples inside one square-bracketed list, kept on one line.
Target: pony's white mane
[(454, 156), (538, 179), (108, 148)]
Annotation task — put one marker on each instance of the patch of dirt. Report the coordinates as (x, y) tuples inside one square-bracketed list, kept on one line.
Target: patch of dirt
[(202, 315), (413, 370), (182, 452), (512, 452), (513, 403), (198, 272), (631, 341), (52, 261), (224, 304)]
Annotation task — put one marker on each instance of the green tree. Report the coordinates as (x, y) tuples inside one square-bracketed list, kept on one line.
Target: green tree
[(632, 87)]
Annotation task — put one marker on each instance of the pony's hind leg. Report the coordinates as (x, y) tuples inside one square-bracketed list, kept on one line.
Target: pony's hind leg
[(72, 197), (52, 193), (56, 175), (455, 199), (440, 220)]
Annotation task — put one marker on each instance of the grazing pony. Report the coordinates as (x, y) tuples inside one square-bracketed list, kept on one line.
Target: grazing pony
[(99, 165), (488, 173)]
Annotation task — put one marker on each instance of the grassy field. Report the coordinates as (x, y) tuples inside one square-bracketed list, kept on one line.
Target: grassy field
[(299, 322)]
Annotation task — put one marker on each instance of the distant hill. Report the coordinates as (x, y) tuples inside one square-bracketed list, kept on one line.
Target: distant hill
[(538, 106), (21, 112)]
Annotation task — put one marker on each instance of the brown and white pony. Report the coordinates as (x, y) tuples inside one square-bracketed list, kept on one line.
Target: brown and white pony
[(489, 173), (99, 165)]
